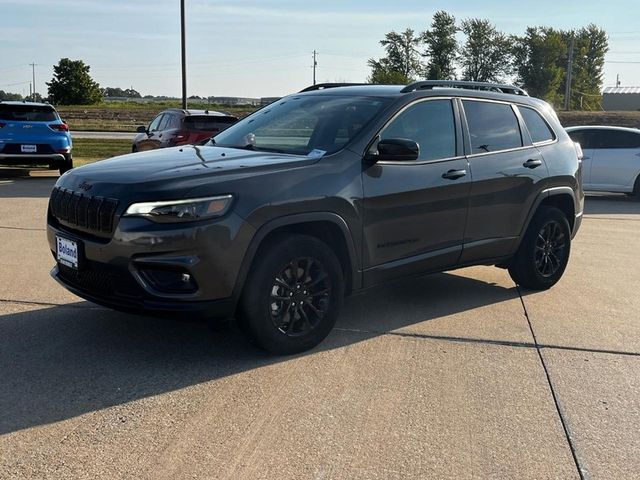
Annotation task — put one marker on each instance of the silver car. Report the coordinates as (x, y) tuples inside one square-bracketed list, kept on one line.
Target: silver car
[(611, 161)]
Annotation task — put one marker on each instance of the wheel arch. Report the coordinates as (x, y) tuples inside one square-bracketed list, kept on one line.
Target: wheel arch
[(328, 227), (562, 198)]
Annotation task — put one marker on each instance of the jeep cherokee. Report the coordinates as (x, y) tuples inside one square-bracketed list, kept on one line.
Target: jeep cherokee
[(322, 193)]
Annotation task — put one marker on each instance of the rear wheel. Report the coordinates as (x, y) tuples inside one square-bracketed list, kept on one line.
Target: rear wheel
[(67, 165), (636, 189), (292, 296), (544, 252)]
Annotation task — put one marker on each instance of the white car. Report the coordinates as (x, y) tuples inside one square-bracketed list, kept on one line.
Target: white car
[(611, 161)]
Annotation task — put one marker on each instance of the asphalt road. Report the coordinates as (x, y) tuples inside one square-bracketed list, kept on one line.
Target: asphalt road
[(455, 375)]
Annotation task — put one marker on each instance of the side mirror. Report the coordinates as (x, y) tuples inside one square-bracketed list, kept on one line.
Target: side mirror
[(141, 129), (394, 149)]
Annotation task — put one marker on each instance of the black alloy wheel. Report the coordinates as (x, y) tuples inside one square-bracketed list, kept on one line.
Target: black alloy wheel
[(300, 296), (544, 251), (550, 248), (293, 293)]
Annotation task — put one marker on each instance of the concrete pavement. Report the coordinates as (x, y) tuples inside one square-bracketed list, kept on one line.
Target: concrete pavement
[(455, 375)]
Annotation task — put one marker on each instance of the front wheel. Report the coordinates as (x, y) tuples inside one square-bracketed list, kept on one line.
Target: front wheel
[(544, 252), (292, 296)]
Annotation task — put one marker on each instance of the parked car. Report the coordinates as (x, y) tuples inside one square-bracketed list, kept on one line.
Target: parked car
[(318, 195), (175, 126), (611, 158), (33, 134)]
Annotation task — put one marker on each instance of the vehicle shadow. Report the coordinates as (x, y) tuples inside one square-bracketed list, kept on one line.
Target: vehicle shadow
[(611, 204), (60, 362)]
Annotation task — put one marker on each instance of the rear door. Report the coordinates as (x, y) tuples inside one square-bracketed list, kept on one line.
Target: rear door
[(415, 217), (616, 163), (505, 169)]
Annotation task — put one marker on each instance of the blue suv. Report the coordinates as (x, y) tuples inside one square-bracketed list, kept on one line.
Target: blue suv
[(33, 134)]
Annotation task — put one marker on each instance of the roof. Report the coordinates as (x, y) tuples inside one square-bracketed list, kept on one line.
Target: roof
[(396, 91), (20, 102), (189, 111), (621, 90)]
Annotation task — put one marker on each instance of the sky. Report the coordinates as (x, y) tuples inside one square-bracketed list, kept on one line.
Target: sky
[(255, 48)]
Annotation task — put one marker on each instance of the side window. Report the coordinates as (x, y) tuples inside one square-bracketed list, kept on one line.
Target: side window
[(156, 122), (585, 138), (492, 126), (430, 124), (165, 122), (618, 139), (538, 128)]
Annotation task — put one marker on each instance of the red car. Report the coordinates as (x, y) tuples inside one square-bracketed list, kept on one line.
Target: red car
[(181, 127)]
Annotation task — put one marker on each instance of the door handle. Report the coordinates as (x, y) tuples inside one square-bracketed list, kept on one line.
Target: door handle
[(532, 163), (454, 174)]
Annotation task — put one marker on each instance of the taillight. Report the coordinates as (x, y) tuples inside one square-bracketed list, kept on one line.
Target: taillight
[(180, 136), (578, 148), (60, 127)]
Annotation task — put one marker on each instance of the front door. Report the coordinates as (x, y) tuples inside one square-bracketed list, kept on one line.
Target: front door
[(415, 211)]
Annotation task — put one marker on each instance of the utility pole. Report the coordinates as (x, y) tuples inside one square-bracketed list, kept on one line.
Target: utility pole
[(315, 64), (617, 79), (184, 57), (567, 87), (33, 72)]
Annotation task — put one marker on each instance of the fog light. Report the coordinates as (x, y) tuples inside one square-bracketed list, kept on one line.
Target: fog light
[(168, 279)]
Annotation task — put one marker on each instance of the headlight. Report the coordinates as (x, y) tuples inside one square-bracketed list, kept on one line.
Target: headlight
[(189, 210)]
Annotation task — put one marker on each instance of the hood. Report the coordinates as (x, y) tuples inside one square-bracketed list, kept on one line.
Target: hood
[(175, 169)]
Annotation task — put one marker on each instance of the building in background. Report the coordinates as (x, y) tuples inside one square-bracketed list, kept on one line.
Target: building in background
[(621, 98)]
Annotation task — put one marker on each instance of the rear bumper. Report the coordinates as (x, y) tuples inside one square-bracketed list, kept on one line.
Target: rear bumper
[(32, 159)]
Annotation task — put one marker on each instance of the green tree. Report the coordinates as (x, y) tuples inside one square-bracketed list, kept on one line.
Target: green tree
[(72, 85), (486, 54), (402, 62), (9, 96), (441, 47), (540, 58), (590, 47)]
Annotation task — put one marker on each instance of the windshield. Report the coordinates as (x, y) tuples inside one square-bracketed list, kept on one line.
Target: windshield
[(303, 124)]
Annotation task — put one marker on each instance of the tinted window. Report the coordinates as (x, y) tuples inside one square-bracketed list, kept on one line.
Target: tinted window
[(165, 122), (492, 126), (430, 124), (538, 128), (27, 113), (618, 139), (156, 121), (208, 122), (586, 138)]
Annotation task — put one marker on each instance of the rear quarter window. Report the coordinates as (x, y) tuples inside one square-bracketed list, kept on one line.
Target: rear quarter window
[(28, 113), (537, 126), (492, 126)]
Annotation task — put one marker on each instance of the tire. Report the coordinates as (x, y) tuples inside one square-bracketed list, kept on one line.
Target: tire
[(292, 296), (636, 189), (544, 252), (66, 166), (134, 149)]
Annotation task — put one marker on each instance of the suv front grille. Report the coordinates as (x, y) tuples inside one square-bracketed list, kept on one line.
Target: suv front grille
[(92, 213)]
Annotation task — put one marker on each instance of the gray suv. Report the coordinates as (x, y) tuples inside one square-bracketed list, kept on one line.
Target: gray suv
[(320, 194)]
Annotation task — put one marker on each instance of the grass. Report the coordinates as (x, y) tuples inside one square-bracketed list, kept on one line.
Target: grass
[(89, 150)]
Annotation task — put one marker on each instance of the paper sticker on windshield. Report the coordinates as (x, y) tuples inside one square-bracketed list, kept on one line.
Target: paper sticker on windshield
[(315, 153)]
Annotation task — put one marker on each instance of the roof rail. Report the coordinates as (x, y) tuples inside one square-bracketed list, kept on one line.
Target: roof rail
[(322, 86), (492, 87)]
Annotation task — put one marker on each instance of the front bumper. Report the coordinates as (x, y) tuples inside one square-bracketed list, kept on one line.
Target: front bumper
[(112, 271)]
